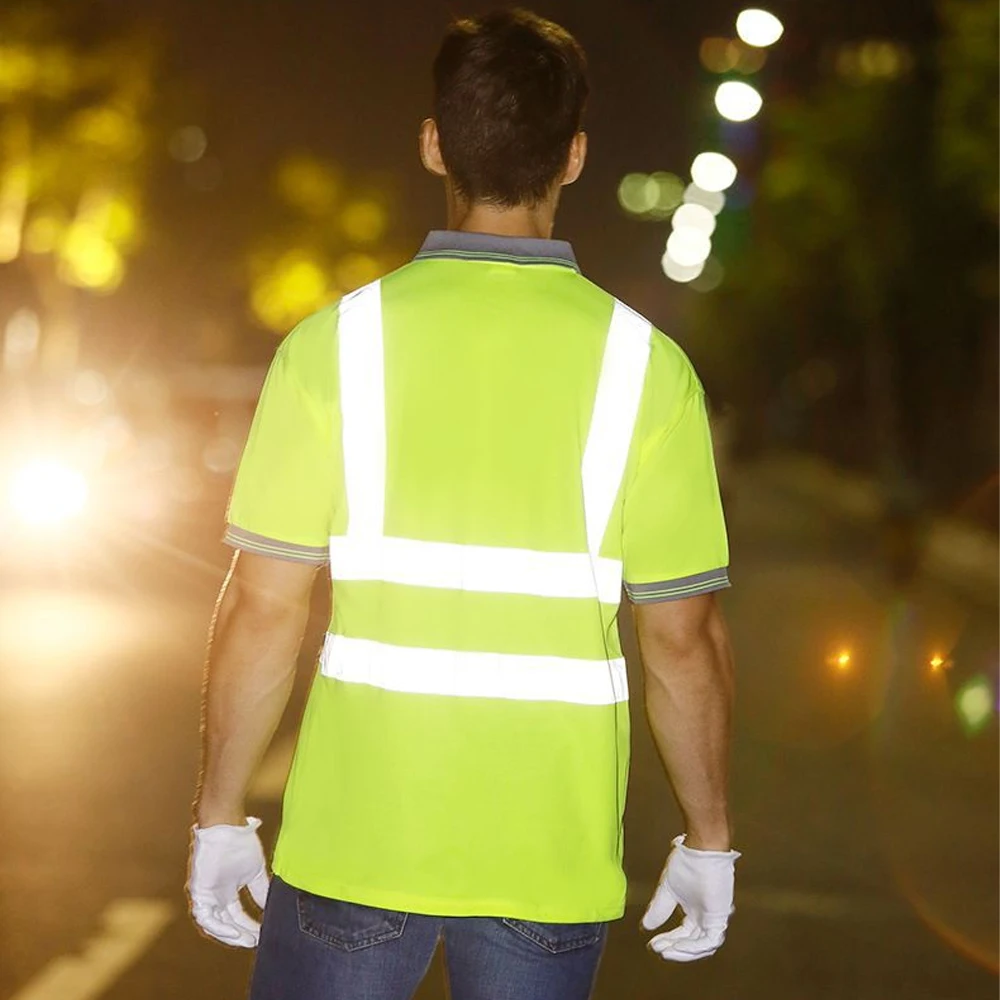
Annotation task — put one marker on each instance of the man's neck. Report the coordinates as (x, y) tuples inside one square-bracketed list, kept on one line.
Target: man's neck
[(534, 222)]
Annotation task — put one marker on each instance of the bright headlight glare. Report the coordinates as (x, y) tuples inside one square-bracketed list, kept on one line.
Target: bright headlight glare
[(47, 491)]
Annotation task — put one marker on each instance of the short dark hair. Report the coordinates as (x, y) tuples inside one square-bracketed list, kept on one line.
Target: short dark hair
[(509, 93)]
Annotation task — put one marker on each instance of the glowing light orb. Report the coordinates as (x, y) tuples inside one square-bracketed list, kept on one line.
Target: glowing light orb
[(737, 101), (974, 704), (759, 28), (689, 247), (713, 171), (714, 201), (690, 216), (679, 272)]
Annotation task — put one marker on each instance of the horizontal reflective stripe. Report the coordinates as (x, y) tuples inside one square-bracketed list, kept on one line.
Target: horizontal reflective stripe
[(450, 566), (448, 672)]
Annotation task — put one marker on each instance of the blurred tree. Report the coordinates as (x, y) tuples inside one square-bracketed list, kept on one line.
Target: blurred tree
[(74, 131), (861, 319), (319, 241)]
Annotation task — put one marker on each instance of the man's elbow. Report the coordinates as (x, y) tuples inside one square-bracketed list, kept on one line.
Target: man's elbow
[(265, 601), (684, 632)]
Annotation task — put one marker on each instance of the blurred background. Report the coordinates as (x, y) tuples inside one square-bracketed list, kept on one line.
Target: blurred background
[(804, 197)]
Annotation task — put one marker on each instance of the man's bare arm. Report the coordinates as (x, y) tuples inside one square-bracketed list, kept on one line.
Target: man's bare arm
[(688, 671), (256, 634)]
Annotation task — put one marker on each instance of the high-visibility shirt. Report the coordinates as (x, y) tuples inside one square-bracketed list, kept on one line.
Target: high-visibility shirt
[(483, 445)]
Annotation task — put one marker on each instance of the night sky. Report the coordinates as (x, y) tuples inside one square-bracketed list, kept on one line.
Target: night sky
[(351, 82)]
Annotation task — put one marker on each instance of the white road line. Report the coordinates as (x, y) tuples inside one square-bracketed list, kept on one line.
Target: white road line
[(269, 783), (130, 926)]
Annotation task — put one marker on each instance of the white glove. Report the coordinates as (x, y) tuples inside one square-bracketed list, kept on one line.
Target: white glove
[(701, 883), (224, 859)]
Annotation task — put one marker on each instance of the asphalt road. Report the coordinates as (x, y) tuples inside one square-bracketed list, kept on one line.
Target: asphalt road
[(866, 813)]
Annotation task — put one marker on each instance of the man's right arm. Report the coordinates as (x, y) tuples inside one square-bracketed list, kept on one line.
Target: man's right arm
[(688, 670)]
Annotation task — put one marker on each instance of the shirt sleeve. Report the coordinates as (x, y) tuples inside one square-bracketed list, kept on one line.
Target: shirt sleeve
[(674, 532), (284, 496)]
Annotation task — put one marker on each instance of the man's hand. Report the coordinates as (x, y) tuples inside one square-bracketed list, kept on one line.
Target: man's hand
[(225, 859), (701, 883)]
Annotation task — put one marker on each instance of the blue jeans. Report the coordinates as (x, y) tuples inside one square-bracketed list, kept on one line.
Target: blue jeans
[(313, 948)]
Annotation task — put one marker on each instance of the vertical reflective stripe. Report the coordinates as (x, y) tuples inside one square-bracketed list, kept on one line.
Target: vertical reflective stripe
[(619, 390), (362, 407)]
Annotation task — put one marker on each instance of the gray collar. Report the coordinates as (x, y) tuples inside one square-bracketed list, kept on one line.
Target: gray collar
[(454, 245)]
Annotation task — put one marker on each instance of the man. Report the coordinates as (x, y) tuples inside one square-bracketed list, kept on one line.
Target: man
[(484, 446)]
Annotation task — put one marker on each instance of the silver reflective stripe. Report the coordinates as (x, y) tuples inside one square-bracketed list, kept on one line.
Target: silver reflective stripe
[(619, 390), (478, 568), (362, 409), (417, 670)]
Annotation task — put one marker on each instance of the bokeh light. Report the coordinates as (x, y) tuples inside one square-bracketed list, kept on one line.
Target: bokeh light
[(679, 272), (637, 193), (710, 278), (841, 660), (713, 171), (688, 247), (364, 221), (669, 193), (291, 288), (719, 55), (308, 184), (737, 101), (694, 217), (714, 201), (759, 28), (21, 338), (188, 144), (874, 59), (356, 269), (89, 259), (974, 705), (89, 388), (650, 196)]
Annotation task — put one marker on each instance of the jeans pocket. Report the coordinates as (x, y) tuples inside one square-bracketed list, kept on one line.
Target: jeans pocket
[(347, 926), (557, 938)]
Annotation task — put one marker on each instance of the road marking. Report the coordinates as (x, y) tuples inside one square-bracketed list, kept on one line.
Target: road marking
[(269, 783), (130, 926)]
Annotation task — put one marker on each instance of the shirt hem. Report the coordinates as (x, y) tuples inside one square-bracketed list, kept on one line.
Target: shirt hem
[(449, 907)]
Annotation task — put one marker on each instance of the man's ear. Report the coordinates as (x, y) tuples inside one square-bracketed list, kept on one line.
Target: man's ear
[(430, 149), (576, 159)]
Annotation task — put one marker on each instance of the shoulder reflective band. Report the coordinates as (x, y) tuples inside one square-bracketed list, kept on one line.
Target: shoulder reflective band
[(364, 553), (362, 407), (474, 675), (619, 390)]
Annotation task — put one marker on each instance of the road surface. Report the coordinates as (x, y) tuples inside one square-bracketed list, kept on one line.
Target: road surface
[(865, 804)]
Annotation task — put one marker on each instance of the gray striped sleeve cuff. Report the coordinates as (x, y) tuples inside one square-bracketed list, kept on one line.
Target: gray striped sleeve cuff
[(261, 545), (675, 590)]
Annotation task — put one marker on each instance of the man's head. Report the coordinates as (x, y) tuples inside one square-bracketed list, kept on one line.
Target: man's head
[(509, 92)]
